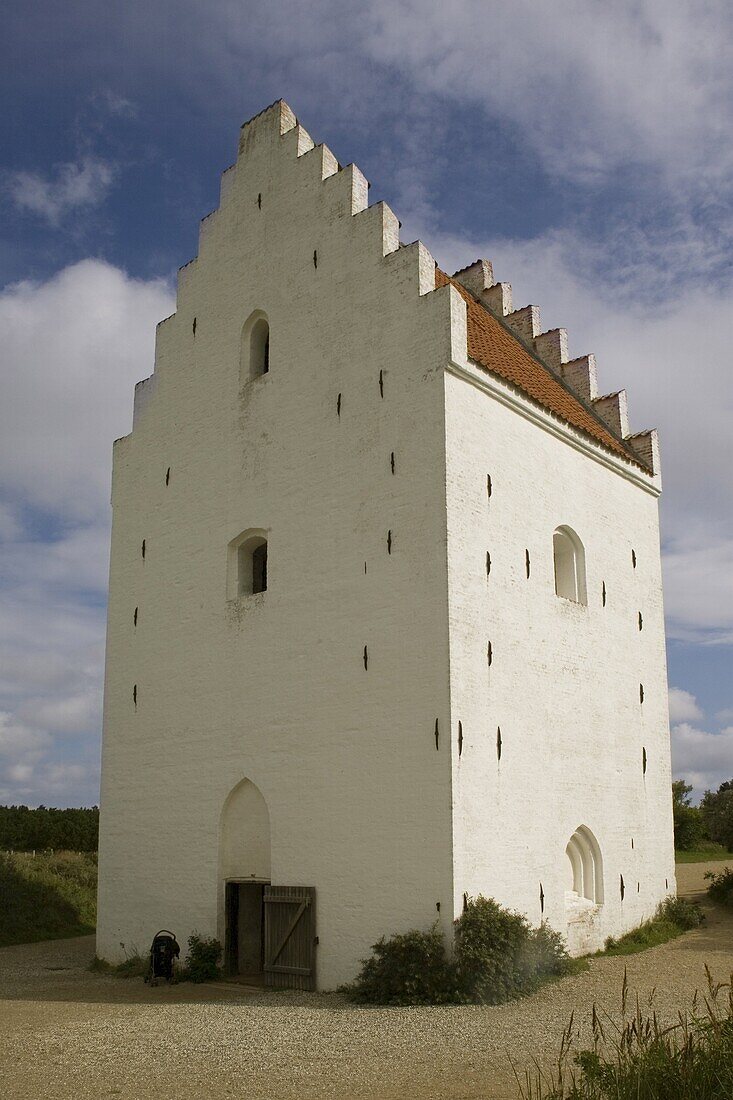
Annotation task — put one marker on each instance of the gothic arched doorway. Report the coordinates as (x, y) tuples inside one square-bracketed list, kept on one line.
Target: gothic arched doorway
[(244, 869)]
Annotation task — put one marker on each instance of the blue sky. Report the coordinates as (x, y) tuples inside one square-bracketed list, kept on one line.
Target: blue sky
[(584, 148)]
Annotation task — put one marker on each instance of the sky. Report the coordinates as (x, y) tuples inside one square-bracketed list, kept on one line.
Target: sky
[(584, 148)]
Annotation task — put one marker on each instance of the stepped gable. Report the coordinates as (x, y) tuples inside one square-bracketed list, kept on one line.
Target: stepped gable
[(493, 347)]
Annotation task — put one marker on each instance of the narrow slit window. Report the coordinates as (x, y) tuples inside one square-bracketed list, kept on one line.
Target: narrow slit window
[(254, 356), (259, 568)]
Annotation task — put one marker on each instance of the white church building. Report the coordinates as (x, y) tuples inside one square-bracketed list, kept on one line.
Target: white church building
[(385, 614)]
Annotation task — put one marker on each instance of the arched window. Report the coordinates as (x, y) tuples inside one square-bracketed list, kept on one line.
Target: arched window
[(254, 356), (569, 558), (585, 870), (247, 564)]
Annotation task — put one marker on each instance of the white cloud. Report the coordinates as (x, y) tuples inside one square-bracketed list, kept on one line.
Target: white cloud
[(75, 346), (683, 706), (75, 185), (590, 87), (703, 759), (10, 526)]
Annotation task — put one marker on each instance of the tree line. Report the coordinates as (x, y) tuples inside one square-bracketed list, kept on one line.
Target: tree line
[(26, 830), (711, 820), (23, 829)]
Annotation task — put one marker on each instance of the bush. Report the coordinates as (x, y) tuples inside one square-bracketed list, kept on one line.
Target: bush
[(689, 830), (717, 813), (721, 886), (408, 969), (685, 914), (497, 956), (202, 964)]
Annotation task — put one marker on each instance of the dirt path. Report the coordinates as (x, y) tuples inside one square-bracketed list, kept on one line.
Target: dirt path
[(66, 1033)]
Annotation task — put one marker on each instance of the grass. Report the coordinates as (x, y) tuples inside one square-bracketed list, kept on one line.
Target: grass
[(134, 966), (47, 896), (651, 933), (721, 886), (673, 917), (636, 1057), (704, 853)]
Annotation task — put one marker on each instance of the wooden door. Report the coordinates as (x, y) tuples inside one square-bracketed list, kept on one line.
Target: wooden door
[(290, 937)]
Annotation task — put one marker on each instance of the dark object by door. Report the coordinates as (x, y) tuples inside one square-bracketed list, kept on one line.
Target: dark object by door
[(163, 950), (290, 937)]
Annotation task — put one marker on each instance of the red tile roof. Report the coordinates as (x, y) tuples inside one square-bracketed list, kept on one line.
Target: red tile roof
[(493, 346)]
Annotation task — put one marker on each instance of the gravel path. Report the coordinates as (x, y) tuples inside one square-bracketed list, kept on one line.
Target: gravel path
[(66, 1033)]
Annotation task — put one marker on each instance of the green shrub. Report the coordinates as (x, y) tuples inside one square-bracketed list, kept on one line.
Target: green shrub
[(497, 956), (721, 886), (717, 814), (689, 828), (202, 963), (685, 914), (407, 969)]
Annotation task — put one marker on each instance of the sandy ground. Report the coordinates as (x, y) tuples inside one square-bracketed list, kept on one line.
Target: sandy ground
[(66, 1033)]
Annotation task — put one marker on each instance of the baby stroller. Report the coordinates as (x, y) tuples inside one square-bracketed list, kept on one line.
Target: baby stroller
[(163, 950)]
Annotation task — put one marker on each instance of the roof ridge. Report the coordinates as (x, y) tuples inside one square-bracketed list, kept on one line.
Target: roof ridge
[(598, 429)]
